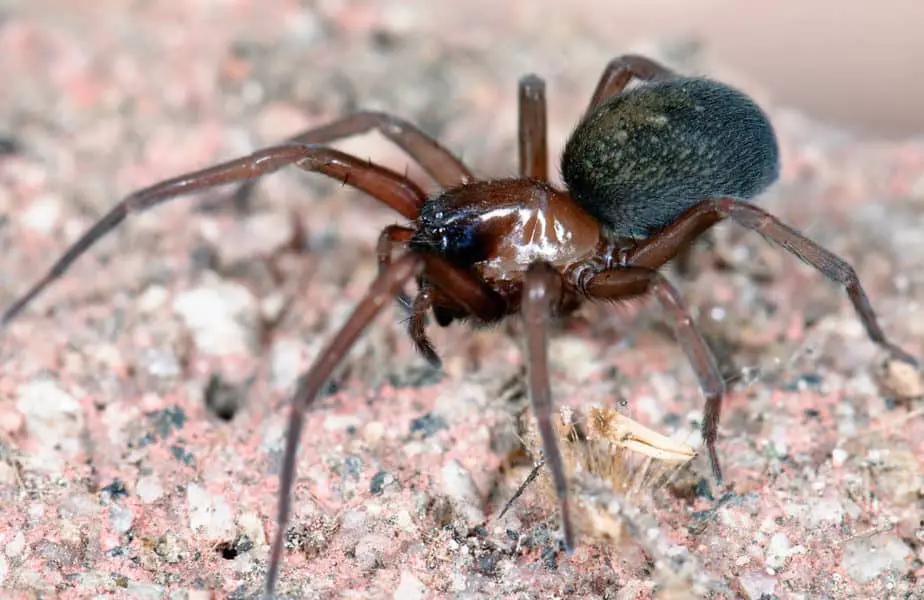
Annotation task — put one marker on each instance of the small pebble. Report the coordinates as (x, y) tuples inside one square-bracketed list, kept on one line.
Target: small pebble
[(42, 215), (377, 485), (778, 551), (170, 547), (370, 551), (415, 376), (404, 520), (15, 546), (353, 520), (460, 486), (80, 505), (574, 355), (152, 298), (758, 585), (458, 582), (149, 488), (120, 517), (209, 514), (373, 432), (252, 526), (838, 457), (779, 438), (825, 512), (428, 424), (58, 554), (868, 557), (54, 418), (272, 306), (341, 422), (289, 358), (223, 317), (114, 490), (36, 512), (259, 235), (161, 362), (11, 422), (409, 587), (901, 480), (8, 475), (144, 591), (901, 379)]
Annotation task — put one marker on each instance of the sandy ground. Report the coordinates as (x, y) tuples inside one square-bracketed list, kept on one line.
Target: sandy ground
[(142, 399)]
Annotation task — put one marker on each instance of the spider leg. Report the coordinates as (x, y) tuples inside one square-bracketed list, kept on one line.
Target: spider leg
[(438, 162), (383, 287), (533, 136), (661, 247), (472, 294), (620, 71), (391, 236), (542, 294), (397, 191), (626, 282), (416, 327)]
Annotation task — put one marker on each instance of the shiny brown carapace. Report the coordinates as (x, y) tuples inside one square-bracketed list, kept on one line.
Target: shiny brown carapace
[(647, 169)]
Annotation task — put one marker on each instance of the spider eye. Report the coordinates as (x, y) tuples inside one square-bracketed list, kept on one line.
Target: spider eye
[(445, 237), (460, 243)]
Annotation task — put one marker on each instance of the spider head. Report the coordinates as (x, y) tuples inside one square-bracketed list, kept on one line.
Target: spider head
[(457, 236)]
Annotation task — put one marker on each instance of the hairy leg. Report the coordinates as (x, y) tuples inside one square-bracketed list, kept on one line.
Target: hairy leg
[(469, 293), (389, 187), (439, 163), (626, 282), (542, 295), (384, 287), (660, 248), (391, 236), (620, 71), (417, 327), (533, 136)]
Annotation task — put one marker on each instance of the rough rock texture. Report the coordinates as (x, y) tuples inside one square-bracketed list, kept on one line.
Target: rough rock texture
[(142, 399)]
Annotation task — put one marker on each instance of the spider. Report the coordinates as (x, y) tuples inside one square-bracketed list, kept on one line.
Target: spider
[(646, 170)]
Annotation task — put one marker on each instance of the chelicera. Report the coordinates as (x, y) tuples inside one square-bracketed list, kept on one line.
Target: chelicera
[(647, 170)]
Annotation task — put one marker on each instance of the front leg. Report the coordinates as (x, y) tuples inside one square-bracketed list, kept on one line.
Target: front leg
[(417, 327), (391, 236), (385, 185), (542, 295), (384, 287), (439, 163), (471, 295)]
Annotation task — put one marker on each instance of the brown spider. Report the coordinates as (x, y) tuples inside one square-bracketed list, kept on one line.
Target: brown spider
[(647, 171)]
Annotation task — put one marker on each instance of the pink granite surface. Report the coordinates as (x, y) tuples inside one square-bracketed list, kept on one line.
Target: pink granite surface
[(116, 478)]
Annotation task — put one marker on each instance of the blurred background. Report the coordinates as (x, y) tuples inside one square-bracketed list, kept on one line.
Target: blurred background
[(851, 62)]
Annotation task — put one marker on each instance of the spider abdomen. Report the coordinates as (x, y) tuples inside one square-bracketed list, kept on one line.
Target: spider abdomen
[(643, 157)]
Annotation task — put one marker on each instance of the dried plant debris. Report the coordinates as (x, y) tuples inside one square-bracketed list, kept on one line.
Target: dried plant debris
[(901, 380), (605, 445)]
